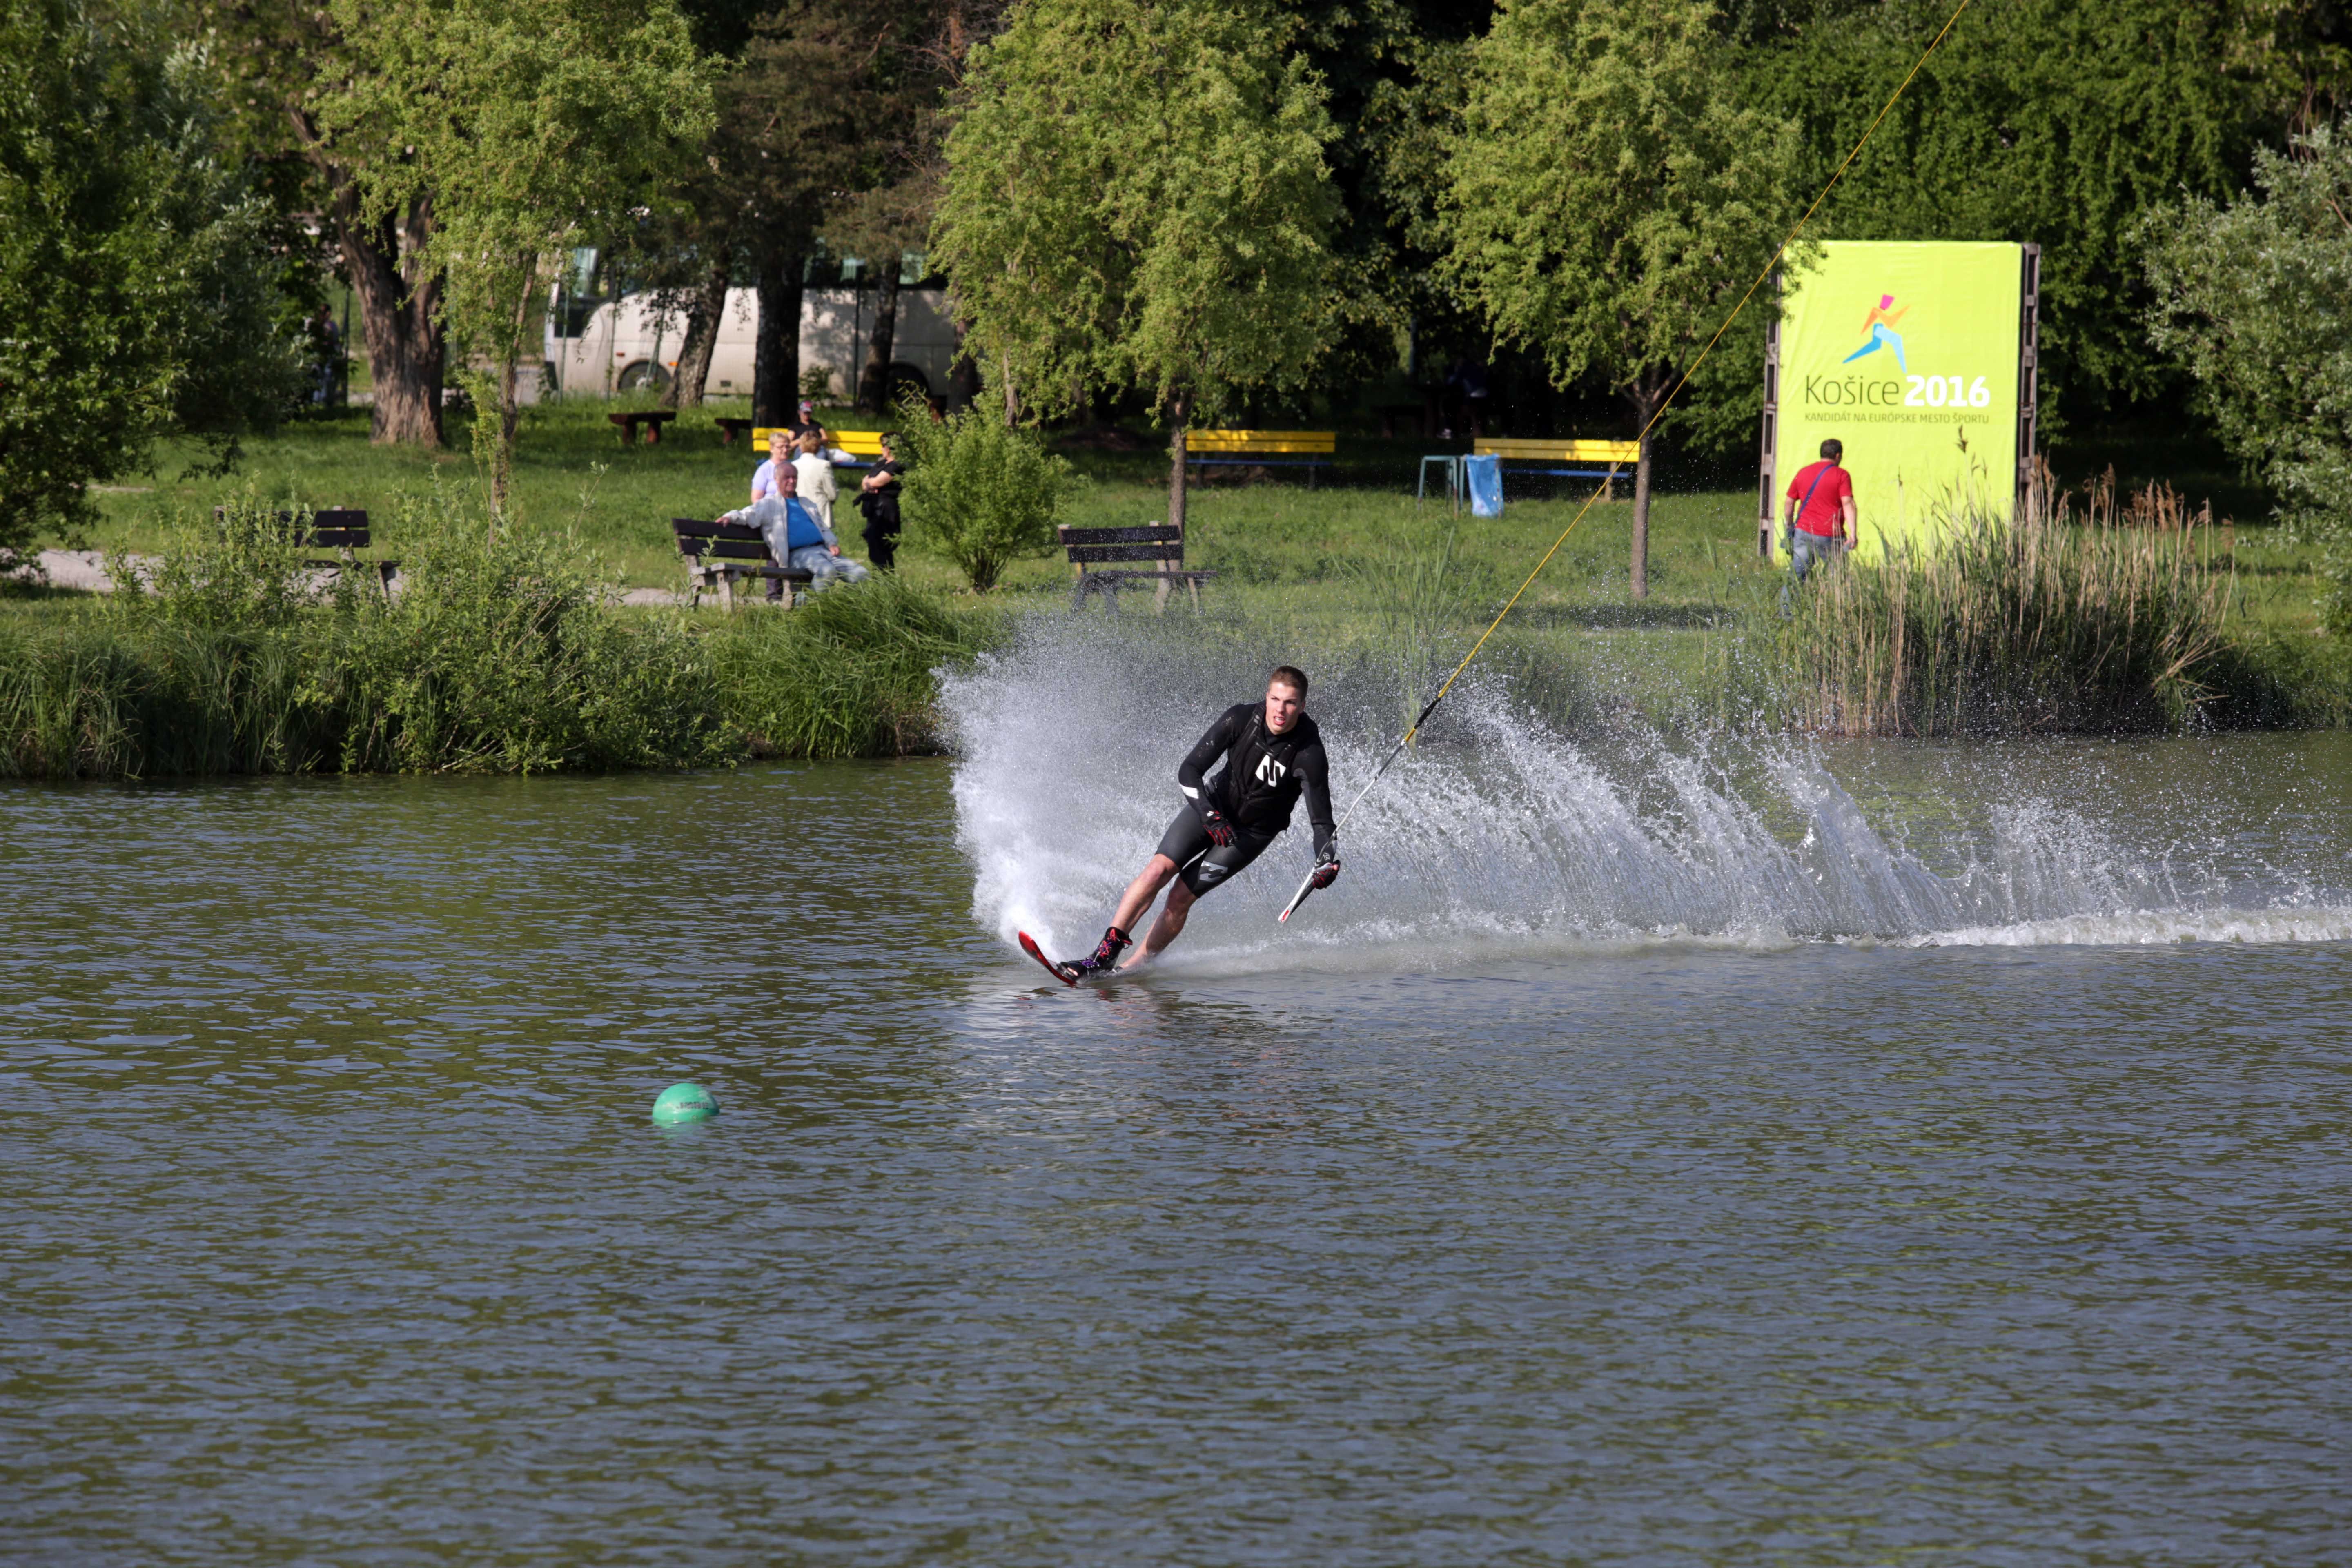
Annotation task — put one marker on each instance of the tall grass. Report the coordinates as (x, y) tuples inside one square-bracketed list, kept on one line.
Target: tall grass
[(2044, 622), (847, 676), (228, 656)]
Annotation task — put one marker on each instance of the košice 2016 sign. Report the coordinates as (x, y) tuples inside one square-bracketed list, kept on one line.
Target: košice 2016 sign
[(1918, 356)]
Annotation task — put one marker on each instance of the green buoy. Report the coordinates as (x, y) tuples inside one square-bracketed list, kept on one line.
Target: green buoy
[(683, 1102)]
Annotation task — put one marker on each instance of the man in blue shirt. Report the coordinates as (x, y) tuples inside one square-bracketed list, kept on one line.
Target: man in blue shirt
[(796, 537)]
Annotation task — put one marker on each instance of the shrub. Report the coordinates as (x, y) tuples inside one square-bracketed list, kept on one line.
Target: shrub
[(980, 492), (849, 674), (494, 657)]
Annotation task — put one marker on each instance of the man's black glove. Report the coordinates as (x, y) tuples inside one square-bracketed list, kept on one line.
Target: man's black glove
[(1221, 832), (1327, 871)]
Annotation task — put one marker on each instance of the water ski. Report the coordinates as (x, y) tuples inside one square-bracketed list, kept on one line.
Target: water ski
[(1063, 972)]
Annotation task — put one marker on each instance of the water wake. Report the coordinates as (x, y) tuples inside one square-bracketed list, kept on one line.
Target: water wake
[(1500, 833)]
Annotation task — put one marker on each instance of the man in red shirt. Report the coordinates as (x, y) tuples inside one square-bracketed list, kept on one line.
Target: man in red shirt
[(1819, 515)]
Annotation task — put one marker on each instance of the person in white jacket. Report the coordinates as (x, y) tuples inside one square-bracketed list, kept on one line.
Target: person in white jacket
[(818, 490)]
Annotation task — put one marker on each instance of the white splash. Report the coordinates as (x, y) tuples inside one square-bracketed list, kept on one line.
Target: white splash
[(1508, 836)]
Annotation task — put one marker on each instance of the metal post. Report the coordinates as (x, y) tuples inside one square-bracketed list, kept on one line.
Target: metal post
[(2029, 359), (1764, 485)]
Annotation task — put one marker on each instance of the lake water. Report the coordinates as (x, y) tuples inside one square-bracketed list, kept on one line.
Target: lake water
[(1805, 1155)]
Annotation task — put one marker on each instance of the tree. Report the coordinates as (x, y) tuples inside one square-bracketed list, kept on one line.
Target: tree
[(137, 286), (524, 122), (1136, 197), (2060, 122), (273, 62), (2255, 298), (1606, 200)]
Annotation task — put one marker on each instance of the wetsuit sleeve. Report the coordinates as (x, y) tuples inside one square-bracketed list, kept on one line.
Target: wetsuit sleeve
[(1191, 774), (1314, 784)]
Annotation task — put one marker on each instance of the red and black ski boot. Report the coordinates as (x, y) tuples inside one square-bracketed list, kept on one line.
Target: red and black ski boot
[(1105, 954)]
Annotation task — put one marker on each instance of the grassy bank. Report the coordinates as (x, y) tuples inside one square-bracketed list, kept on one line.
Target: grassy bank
[(496, 657), (520, 662)]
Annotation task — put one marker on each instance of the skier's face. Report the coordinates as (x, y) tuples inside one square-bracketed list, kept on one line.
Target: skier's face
[(1282, 707)]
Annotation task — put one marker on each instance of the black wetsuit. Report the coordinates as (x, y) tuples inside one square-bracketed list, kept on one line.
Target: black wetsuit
[(1263, 778)]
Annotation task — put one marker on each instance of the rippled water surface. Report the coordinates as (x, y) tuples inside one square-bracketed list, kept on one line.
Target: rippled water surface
[(1844, 1157)]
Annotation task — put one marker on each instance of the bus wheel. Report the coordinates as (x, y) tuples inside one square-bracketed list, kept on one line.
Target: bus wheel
[(641, 375)]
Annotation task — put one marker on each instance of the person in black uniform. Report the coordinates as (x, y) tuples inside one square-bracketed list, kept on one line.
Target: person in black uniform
[(1273, 754), (878, 498)]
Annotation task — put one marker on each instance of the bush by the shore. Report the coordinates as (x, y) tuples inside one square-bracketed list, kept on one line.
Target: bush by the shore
[(227, 655)]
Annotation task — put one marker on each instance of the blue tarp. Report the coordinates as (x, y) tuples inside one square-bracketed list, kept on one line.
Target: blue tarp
[(1485, 477)]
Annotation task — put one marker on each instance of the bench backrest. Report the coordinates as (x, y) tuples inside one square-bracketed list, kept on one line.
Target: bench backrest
[(1156, 543), (856, 443), (1566, 451), (718, 541), (331, 528), (1310, 442)]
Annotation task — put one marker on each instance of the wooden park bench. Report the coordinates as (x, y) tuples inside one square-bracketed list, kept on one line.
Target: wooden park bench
[(1594, 456), (718, 552), (1158, 543), (1309, 449), (653, 419), (864, 446), (340, 529), (729, 429)]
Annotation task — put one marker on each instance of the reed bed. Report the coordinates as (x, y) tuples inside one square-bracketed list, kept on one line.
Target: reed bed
[(2112, 621)]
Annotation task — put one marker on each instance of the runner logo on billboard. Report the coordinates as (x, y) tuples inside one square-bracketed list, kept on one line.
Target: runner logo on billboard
[(1881, 326)]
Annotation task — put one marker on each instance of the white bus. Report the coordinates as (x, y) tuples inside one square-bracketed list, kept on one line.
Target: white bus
[(595, 348)]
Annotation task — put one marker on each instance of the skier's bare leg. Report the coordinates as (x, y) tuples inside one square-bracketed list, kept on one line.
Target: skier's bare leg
[(1167, 928), (1137, 900)]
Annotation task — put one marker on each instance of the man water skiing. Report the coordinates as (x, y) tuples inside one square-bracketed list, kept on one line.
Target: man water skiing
[(1272, 752)]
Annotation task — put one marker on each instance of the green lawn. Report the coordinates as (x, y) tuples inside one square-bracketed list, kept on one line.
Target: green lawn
[(1319, 558)]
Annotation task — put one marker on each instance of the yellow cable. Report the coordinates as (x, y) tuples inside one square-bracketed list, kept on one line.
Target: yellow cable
[(1602, 487)]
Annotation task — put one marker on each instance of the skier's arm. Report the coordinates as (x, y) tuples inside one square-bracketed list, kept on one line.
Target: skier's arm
[(1191, 774), (1315, 783)]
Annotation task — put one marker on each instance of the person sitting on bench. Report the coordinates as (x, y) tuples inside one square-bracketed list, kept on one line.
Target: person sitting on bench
[(795, 538)]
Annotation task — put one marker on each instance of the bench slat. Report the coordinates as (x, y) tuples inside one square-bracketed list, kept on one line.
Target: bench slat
[(856, 443), (337, 538), (1126, 551), (694, 528), (1320, 441), (1564, 451), (723, 549), (1158, 533), (783, 574)]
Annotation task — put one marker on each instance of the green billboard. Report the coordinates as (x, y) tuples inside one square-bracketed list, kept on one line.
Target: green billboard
[(1915, 356)]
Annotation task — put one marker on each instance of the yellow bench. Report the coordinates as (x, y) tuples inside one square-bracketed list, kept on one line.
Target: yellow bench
[(1595, 457), (866, 443), (1309, 449)]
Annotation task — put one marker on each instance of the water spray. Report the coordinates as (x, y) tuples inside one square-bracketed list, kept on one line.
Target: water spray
[(1605, 486)]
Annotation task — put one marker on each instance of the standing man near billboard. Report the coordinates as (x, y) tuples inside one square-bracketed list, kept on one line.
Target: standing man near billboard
[(1818, 516)]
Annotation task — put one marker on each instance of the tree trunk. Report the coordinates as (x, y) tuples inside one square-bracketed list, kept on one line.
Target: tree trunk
[(874, 383), (963, 373), (1649, 395), (776, 353), (400, 305), (1179, 411), (399, 315), (510, 398), (1641, 574), (1178, 418), (702, 320)]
